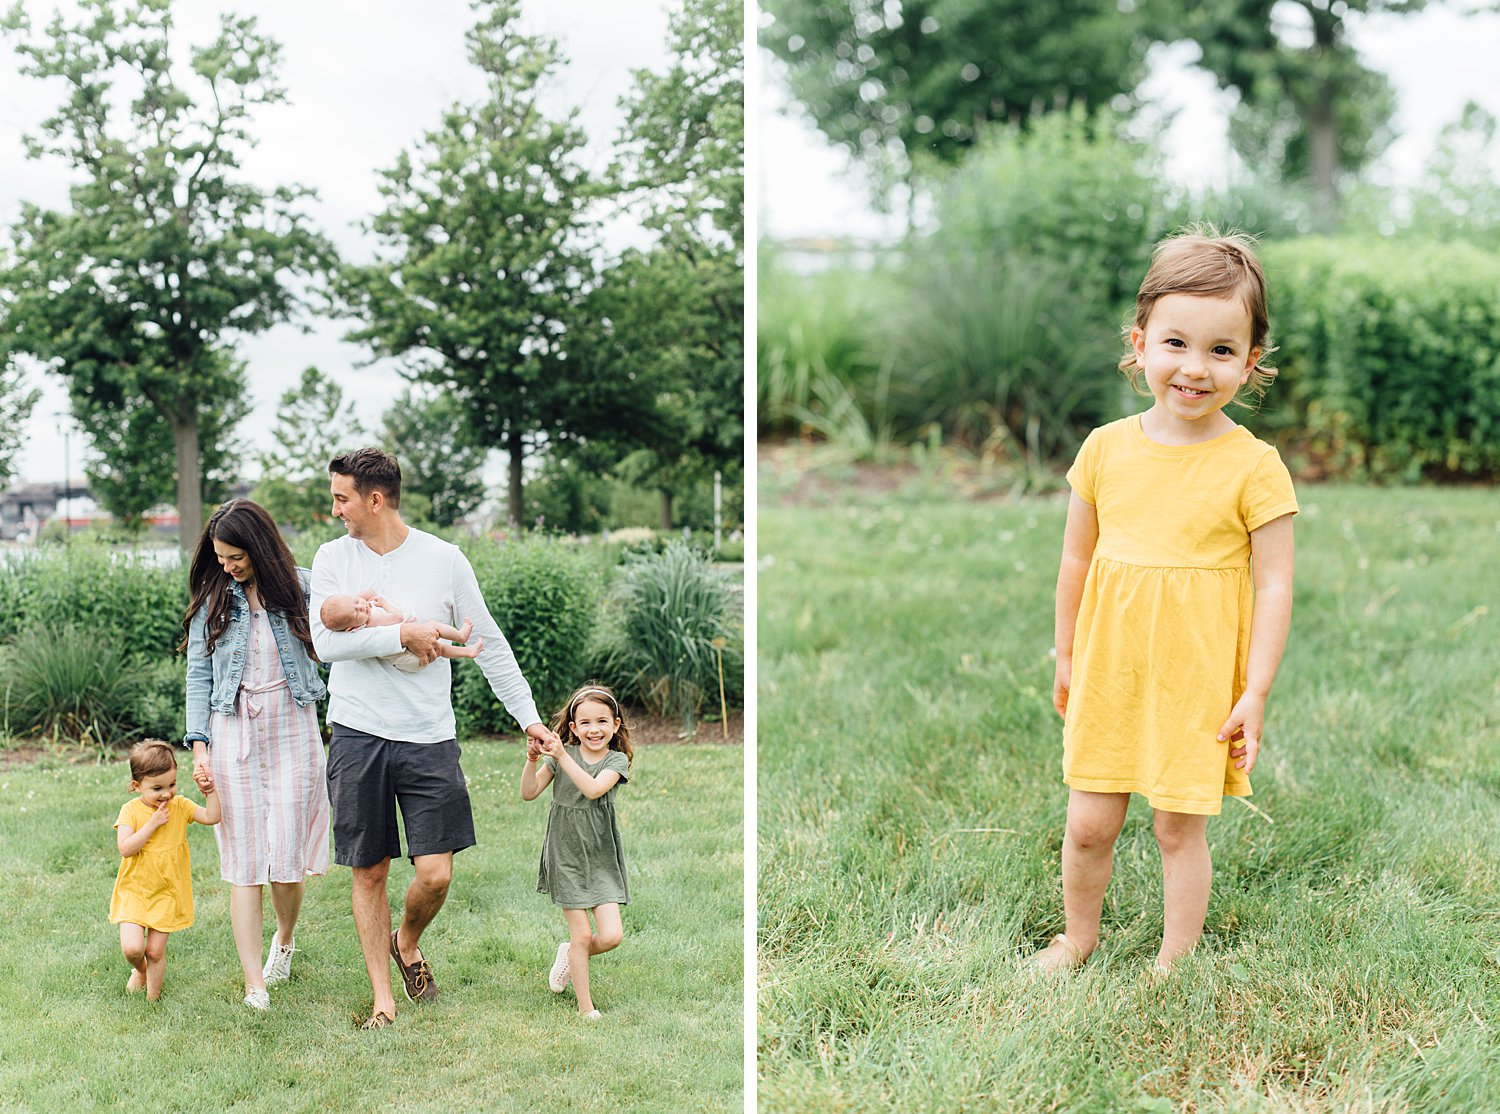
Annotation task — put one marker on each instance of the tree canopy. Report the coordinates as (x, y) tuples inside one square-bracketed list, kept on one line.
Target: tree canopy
[(484, 253), (673, 316), (1310, 110), (893, 83), (163, 257)]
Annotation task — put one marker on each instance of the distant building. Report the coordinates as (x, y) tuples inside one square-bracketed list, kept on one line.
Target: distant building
[(26, 507)]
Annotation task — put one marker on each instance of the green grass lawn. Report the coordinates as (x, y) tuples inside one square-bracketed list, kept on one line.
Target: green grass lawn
[(911, 812), (497, 1040)]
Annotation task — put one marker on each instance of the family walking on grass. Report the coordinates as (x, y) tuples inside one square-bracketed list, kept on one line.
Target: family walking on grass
[(255, 630)]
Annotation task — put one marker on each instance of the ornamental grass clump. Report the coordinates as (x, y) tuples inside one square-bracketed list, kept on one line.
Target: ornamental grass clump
[(669, 608), (67, 683)]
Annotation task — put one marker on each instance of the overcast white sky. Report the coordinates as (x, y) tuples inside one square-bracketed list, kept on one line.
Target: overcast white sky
[(365, 80), (1437, 59)]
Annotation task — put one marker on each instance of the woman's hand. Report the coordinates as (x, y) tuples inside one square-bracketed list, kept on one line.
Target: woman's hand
[(204, 778)]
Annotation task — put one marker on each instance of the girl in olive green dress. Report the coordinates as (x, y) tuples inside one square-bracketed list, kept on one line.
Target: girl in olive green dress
[(582, 868)]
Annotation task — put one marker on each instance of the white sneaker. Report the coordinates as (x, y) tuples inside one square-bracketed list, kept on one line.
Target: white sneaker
[(259, 999), (592, 1015), (558, 978), (278, 966)]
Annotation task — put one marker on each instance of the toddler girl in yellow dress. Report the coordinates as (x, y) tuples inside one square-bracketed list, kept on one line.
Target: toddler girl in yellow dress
[(1174, 597), (153, 894)]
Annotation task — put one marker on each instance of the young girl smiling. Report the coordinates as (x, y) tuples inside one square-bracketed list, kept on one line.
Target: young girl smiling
[(1174, 594), (583, 867), (153, 895)]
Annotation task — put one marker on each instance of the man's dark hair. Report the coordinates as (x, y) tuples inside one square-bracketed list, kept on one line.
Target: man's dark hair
[(373, 470)]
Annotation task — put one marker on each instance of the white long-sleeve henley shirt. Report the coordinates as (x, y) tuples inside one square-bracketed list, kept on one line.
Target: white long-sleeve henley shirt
[(432, 579)]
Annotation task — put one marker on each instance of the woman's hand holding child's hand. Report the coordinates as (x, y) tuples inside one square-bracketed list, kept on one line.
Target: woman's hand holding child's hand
[(204, 779), (552, 746), (1244, 726), (533, 749)]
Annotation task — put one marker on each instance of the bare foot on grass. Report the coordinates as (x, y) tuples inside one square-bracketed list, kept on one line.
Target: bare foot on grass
[(136, 983), (1060, 955)]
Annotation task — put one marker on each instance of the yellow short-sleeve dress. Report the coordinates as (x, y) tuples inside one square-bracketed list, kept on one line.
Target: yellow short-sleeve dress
[(154, 887), (1163, 634)]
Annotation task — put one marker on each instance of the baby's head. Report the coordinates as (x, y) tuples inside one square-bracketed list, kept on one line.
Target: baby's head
[(1203, 263), (153, 771), (344, 613)]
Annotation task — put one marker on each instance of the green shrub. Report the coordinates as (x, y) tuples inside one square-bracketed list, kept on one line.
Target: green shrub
[(1389, 358), (544, 594), (121, 598), (159, 709), (1069, 189), (67, 682), (668, 611)]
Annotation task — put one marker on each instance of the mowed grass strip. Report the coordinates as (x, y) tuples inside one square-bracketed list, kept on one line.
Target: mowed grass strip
[(911, 812), (497, 1040)]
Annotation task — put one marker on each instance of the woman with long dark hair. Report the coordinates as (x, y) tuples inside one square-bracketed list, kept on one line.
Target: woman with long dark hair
[(252, 720)]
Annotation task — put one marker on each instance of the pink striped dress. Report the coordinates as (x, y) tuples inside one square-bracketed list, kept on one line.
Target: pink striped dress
[(270, 774)]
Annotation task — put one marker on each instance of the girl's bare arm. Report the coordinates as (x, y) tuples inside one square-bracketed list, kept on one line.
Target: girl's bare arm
[(1272, 557), (1079, 538)]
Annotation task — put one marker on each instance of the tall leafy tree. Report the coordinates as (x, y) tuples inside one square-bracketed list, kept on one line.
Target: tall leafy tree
[(1309, 107), (674, 316), (894, 82), (483, 252), (132, 470), (164, 257), (441, 460), (17, 400), (313, 425)]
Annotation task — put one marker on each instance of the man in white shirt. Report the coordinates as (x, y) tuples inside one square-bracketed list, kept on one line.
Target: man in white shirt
[(393, 731)]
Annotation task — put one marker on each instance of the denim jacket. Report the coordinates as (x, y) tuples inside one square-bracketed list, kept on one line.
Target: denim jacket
[(214, 682)]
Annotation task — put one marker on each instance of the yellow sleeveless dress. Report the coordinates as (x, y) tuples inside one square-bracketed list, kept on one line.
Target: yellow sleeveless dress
[(1163, 634)]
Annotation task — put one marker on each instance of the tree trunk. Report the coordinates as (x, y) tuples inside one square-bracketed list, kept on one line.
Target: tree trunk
[(189, 482), (1323, 140), (666, 510), (516, 499)]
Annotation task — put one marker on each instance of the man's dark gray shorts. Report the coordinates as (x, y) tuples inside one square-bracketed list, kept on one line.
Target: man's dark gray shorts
[(368, 776)]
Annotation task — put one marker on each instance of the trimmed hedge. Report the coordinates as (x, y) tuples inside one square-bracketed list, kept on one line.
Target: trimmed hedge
[(133, 603), (1389, 358)]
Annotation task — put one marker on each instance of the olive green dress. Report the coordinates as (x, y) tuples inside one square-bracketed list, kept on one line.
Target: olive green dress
[(582, 864)]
